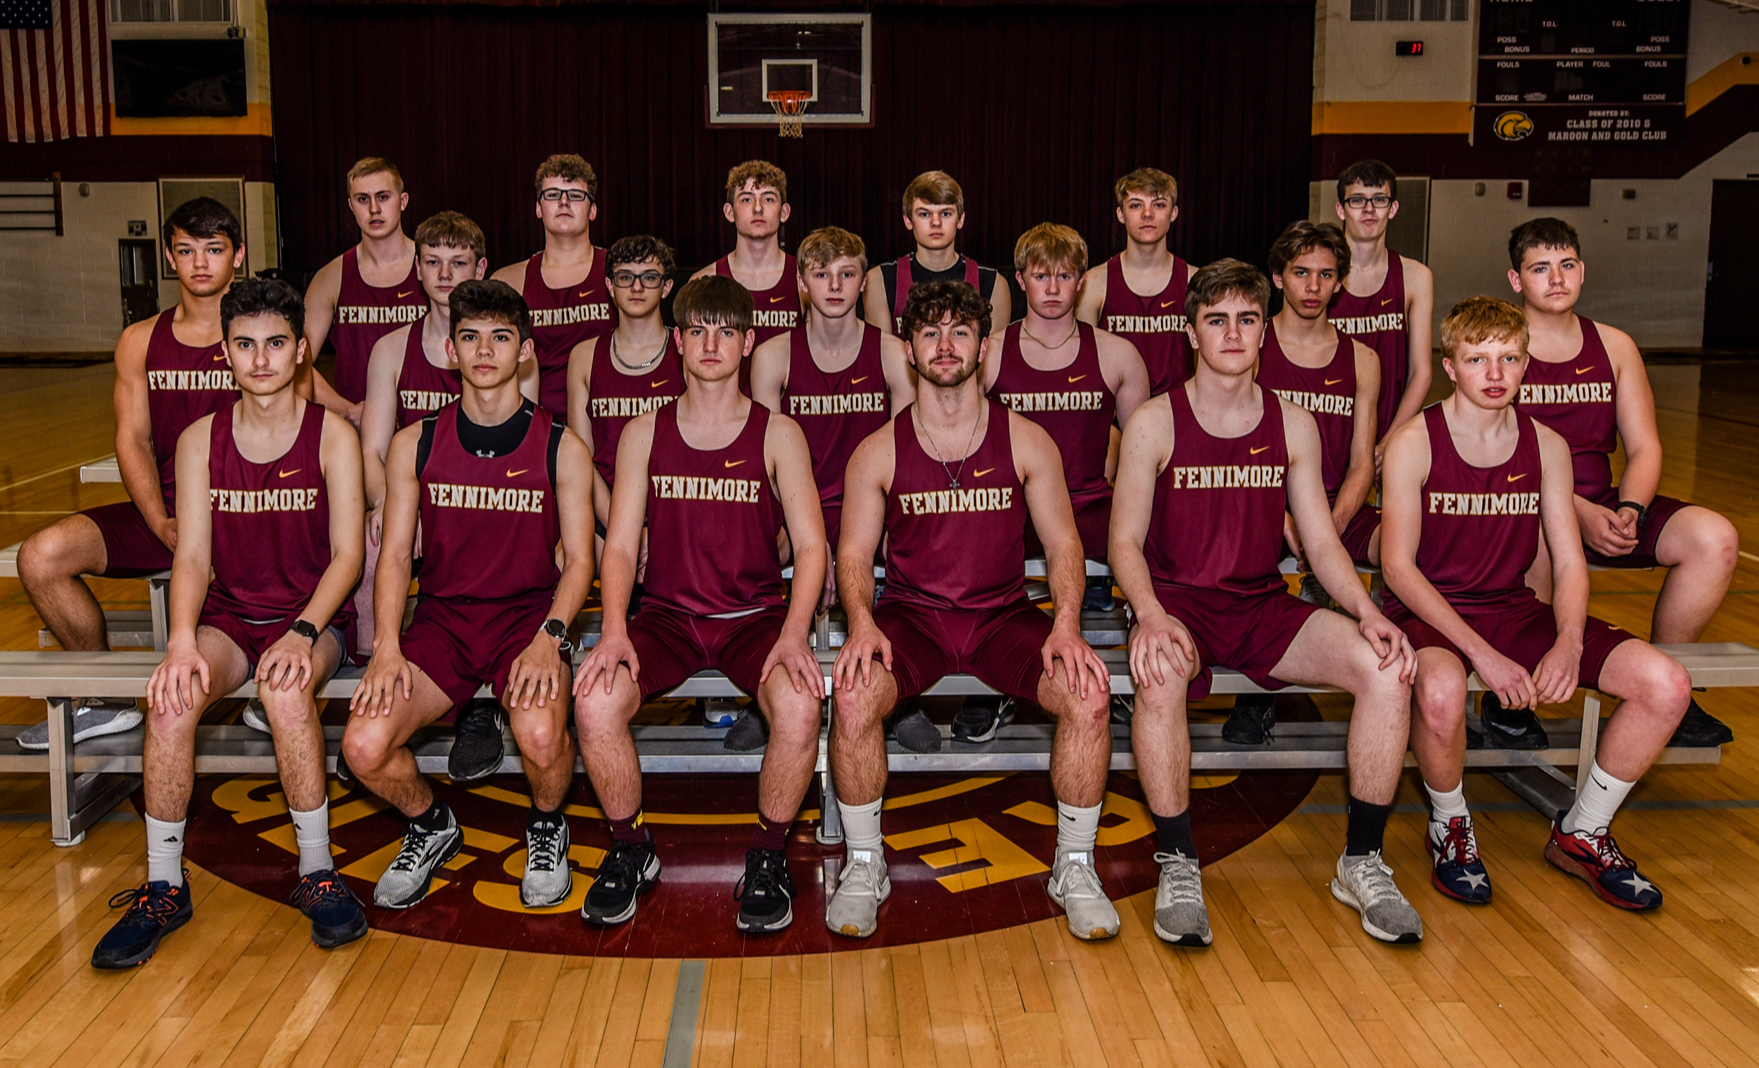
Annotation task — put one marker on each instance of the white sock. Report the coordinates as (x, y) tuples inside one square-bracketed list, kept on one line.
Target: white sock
[(861, 829), (1445, 805), (165, 851), (312, 831), (1597, 801), (1077, 828)]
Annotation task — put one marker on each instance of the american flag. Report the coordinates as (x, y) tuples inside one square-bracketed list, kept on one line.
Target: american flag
[(54, 69)]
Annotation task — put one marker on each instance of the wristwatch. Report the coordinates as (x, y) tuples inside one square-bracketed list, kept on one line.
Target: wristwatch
[(558, 630), (304, 630), (1642, 512)]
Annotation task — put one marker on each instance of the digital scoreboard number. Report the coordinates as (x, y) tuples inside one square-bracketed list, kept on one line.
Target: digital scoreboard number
[(1582, 72)]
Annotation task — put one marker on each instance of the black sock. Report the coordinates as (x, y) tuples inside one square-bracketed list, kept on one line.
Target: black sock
[(1173, 834), (1367, 831), (434, 819), (538, 815)]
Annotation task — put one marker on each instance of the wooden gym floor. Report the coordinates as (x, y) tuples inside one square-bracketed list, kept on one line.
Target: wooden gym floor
[(1546, 974)]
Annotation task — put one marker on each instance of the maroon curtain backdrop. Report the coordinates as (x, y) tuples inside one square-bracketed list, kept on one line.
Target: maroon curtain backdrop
[(1035, 110)]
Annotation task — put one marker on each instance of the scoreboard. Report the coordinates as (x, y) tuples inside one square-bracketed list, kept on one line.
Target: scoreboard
[(1581, 72)]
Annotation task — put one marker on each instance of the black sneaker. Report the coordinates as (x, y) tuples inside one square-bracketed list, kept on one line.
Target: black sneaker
[(1098, 595), (978, 720), (479, 746), (1509, 728), (629, 870), (748, 733), (1123, 709), (335, 913), (916, 732), (154, 911), (344, 773), (1251, 720), (765, 892), (1700, 729)]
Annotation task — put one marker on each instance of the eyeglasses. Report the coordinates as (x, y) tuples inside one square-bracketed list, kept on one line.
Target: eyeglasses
[(1358, 202), (572, 196), (627, 279)]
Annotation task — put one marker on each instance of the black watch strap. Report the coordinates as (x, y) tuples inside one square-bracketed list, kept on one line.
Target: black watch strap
[(1642, 512), (304, 630), (558, 630)]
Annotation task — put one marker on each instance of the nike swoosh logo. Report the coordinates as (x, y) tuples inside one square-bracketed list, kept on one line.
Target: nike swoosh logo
[(1169, 303), (1075, 378), (777, 300), (657, 385), (1258, 450), (731, 463), (285, 474), (980, 474), (858, 381), (220, 358), (411, 293), (1519, 477), (1385, 302), (1584, 370), (516, 474), (1333, 381), (587, 292)]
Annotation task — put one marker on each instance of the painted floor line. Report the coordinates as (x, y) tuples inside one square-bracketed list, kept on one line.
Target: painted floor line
[(686, 1000), (46, 474)]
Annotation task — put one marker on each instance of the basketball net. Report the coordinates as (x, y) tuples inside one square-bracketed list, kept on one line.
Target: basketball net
[(789, 105)]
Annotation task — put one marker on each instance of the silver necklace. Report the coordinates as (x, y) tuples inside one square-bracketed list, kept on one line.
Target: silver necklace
[(952, 479), (626, 365)]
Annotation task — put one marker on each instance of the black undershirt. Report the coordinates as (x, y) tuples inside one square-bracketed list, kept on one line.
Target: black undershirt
[(488, 441)]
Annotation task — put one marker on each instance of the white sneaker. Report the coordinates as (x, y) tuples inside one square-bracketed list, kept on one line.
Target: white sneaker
[(92, 717), (547, 880), (1074, 886), (1366, 885), (853, 910), (255, 717), (719, 712), (1180, 917), (406, 881)]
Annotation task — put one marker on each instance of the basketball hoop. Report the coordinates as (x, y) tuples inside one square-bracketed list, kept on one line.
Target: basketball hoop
[(790, 105)]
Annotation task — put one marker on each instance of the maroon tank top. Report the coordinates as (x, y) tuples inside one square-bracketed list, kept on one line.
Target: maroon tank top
[(422, 387), (617, 396), (562, 319), (775, 310), (184, 383), (1073, 404), (364, 314), (283, 506), (1378, 321), (1578, 399), (489, 525), (836, 410), (1154, 324), (692, 494), (1328, 392), (901, 291), (1236, 486), (1480, 524), (958, 548)]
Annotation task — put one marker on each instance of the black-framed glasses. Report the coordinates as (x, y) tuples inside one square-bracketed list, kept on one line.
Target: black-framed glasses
[(1358, 202), (572, 196), (627, 279)]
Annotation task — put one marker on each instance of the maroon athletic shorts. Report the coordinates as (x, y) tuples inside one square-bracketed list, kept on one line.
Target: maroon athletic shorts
[(254, 639), (131, 549), (1360, 531), (1524, 632), (673, 646), (833, 513), (1661, 509), (1247, 633), (1093, 519), (462, 643), (1003, 647)]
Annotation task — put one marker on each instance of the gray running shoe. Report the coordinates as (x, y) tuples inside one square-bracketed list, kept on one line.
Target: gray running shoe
[(92, 717), (1180, 916), (546, 881), (1074, 886), (255, 717), (853, 910), (1366, 885), (406, 881)]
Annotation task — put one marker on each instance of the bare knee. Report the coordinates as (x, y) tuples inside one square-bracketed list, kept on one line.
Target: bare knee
[(600, 715), (541, 738), (59, 551), (287, 709), (863, 708), (1668, 686), (1441, 700), (366, 749), (791, 715), (1717, 540), (1086, 712)]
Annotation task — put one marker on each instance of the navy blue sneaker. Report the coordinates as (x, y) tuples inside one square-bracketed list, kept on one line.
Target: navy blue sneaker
[(335, 913), (154, 911), (1097, 597), (1459, 874), (1596, 859)]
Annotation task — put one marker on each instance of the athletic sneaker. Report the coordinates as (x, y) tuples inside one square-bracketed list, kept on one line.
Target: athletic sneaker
[(478, 746), (629, 870), (1313, 592), (92, 717), (978, 721), (1366, 884), (335, 913), (1251, 720), (748, 733), (255, 716), (546, 881), (1074, 886), (406, 881), (154, 911), (1458, 873), (765, 892), (1097, 597), (344, 773), (853, 911), (719, 712), (916, 732), (1180, 917), (1700, 729), (1596, 859), (1507, 728), (1123, 708)]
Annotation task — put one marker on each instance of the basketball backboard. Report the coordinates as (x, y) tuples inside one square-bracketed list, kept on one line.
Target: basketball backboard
[(825, 56)]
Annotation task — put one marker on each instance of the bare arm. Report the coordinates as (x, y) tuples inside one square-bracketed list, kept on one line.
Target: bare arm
[(769, 370), (873, 304), (865, 484), (378, 413), (618, 562), (1145, 452), (397, 543), (790, 464), (321, 298), (900, 379), (513, 274), (1635, 403), (580, 388), (134, 433), (574, 489), (1001, 306), (1563, 539), (1090, 302), (1419, 314), (339, 452), (1040, 467), (1124, 372), (174, 683), (1359, 475)]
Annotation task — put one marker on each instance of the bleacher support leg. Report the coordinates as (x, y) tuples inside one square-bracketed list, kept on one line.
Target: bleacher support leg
[(830, 822), (76, 801)]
